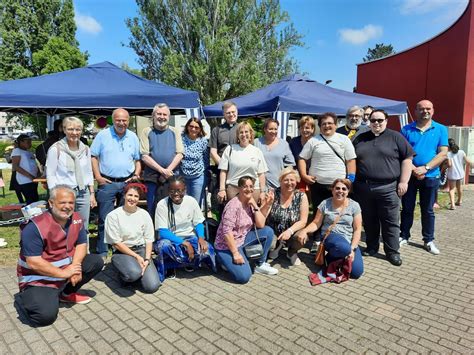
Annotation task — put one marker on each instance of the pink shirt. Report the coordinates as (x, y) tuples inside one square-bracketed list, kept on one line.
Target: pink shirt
[(236, 220)]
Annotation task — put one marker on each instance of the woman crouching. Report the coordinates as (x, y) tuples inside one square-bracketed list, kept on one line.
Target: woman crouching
[(179, 221), (129, 229)]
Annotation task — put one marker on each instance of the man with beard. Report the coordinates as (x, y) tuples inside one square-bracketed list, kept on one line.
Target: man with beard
[(53, 263), (162, 150), (353, 126), (429, 139)]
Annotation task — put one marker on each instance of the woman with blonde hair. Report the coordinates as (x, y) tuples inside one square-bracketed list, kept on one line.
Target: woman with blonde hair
[(69, 163), (288, 214), (241, 159)]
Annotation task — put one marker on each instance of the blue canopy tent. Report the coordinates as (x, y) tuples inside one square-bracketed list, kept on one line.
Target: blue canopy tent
[(96, 89), (301, 95)]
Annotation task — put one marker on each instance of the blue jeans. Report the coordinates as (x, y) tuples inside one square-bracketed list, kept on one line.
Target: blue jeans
[(130, 271), (428, 188), (337, 247), (155, 192), (195, 187), (107, 195), (242, 273)]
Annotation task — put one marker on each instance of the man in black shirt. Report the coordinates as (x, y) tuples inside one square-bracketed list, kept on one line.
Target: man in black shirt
[(384, 163)]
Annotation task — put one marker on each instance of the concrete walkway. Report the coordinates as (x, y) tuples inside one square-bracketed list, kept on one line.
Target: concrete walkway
[(427, 305)]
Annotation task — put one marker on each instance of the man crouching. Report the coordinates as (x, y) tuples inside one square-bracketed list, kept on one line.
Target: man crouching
[(53, 263)]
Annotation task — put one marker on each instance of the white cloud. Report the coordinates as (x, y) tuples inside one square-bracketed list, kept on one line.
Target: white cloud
[(87, 23), (360, 36), (415, 7)]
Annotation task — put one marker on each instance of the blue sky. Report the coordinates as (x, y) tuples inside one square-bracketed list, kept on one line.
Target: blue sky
[(337, 33)]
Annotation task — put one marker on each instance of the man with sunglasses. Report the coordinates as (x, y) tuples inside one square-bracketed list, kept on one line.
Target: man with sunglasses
[(429, 139), (162, 150), (384, 161)]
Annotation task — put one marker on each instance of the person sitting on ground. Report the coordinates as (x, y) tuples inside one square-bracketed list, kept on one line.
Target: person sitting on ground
[(243, 224), (288, 214), (179, 221), (53, 263), (456, 158), (129, 229), (342, 216)]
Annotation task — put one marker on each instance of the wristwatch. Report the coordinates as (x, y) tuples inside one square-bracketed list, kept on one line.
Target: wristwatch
[(427, 167)]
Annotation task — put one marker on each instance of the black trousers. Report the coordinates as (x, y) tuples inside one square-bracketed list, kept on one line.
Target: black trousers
[(380, 206), (30, 191), (319, 193), (41, 304)]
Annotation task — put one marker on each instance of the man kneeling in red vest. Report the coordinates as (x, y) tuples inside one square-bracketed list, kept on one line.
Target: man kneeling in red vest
[(53, 263)]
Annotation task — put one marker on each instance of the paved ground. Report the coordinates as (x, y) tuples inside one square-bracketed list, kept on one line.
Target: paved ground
[(427, 305)]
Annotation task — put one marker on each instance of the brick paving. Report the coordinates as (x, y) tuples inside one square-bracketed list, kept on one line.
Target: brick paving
[(427, 305)]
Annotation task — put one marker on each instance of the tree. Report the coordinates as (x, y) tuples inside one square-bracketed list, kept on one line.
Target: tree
[(381, 50), (220, 48), (126, 67), (27, 27), (37, 37)]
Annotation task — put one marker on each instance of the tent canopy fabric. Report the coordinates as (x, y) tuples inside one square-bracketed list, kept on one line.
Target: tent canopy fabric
[(299, 94), (95, 89)]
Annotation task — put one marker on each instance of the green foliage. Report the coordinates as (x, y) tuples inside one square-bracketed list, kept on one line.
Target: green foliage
[(31, 28), (220, 48), (379, 51), (126, 67)]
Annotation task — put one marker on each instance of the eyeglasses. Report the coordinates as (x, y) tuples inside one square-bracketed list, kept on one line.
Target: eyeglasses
[(194, 127), (355, 116), (377, 120), (74, 129), (338, 188)]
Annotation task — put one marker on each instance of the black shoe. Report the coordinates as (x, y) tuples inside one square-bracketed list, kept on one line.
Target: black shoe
[(369, 252), (395, 259)]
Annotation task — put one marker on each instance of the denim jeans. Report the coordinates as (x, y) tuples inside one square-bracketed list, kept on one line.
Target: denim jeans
[(130, 270), (337, 247), (241, 273), (428, 188), (195, 187), (155, 192), (107, 195)]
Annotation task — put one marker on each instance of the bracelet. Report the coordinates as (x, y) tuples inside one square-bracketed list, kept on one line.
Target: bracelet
[(291, 231), (147, 259), (220, 190), (92, 192)]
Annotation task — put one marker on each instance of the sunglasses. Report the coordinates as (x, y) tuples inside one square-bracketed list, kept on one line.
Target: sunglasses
[(338, 188), (377, 120)]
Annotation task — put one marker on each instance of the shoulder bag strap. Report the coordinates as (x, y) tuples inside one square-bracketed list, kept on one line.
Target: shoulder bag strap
[(343, 160), (332, 225)]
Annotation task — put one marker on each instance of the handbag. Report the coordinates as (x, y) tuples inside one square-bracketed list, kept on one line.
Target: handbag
[(319, 259), (254, 251)]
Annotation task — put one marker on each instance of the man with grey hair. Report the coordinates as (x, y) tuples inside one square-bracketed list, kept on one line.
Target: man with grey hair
[(162, 150), (353, 126), (53, 263)]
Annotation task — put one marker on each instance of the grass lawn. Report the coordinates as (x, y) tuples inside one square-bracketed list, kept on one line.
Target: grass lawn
[(9, 254)]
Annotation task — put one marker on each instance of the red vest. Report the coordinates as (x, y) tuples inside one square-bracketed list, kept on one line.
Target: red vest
[(58, 249)]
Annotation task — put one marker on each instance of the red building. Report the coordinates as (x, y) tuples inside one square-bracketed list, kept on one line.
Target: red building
[(440, 70)]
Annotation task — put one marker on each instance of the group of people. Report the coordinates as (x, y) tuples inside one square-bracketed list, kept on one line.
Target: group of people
[(353, 178)]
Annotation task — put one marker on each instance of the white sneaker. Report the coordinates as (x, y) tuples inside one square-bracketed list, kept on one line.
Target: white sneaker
[(266, 269), (294, 259), (431, 247), (402, 241)]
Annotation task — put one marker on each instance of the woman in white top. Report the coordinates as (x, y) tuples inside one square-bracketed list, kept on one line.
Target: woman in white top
[(69, 163), (456, 160), (24, 164), (242, 159), (129, 229)]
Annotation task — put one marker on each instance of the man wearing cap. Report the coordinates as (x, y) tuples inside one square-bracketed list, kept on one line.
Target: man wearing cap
[(53, 263), (115, 161)]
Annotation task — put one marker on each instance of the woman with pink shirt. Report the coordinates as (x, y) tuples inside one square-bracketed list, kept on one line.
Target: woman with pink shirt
[(240, 223)]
